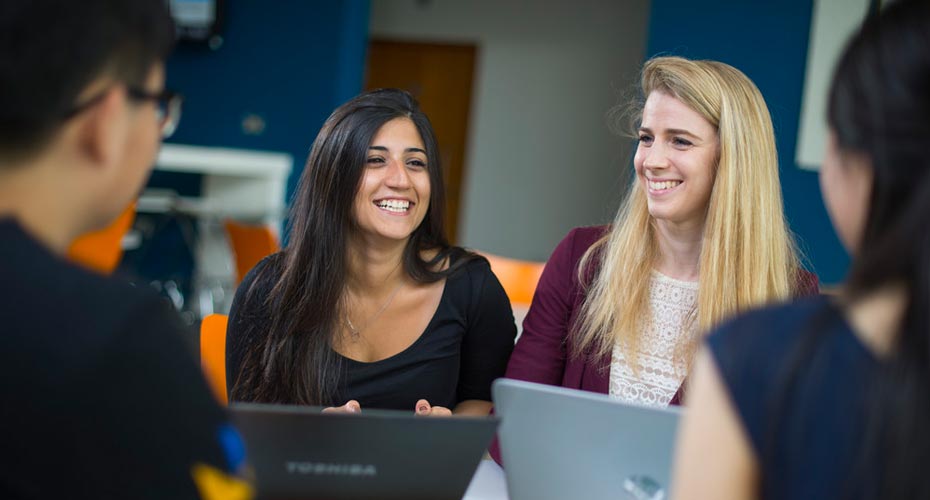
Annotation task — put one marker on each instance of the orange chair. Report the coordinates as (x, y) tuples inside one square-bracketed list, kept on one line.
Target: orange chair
[(213, 353), (518, 277), (250, 244), (101, 250)]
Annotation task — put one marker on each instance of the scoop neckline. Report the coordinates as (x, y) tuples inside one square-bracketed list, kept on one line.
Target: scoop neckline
[(665, 277), (426, 331)]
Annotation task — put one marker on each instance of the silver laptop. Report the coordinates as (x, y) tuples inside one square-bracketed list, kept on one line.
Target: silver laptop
[(559, 443), (301, 453)]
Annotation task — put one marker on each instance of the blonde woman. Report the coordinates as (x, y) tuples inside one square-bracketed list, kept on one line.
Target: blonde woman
[(701, 236)]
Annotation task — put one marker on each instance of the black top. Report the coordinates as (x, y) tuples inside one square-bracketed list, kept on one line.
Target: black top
[(101, 397), (464, 347), (807, 433)]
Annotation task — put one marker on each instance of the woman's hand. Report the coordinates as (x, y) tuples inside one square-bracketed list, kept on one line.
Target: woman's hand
[(351, 407), (424, 409)]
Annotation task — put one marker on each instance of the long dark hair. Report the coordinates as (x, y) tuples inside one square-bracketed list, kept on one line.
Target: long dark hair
[(880, 106), (295, 362), (52, 50)]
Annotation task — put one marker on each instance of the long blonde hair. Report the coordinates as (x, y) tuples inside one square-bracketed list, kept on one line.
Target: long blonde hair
[(748, 256)]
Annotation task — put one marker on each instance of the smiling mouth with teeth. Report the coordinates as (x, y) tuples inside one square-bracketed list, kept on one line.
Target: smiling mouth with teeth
[(396, 206), (663, 185)]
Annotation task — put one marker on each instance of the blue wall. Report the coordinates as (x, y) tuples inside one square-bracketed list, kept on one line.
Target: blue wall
[(767, 41), (290, 62)]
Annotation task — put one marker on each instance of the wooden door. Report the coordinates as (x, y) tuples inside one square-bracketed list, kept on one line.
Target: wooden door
[(440, 77)]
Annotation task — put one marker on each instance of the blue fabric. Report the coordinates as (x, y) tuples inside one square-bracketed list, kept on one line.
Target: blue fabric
[(799, 379), (233, 447)]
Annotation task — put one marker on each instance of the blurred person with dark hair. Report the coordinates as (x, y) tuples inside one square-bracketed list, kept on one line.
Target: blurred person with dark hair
[(102, 397), (369, 306), (830, 397)]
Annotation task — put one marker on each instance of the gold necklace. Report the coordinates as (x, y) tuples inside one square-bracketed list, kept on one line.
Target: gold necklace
[(357, 332)]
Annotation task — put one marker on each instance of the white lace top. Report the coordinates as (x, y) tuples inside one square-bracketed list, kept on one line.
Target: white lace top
[(671, 302)]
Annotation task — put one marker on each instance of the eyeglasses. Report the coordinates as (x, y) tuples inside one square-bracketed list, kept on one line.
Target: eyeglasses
[(167, 107)]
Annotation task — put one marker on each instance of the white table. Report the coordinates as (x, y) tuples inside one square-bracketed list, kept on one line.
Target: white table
[(245, 185), (488, 483)]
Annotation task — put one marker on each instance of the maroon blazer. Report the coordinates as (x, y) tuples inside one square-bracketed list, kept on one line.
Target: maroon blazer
[(542, 353)]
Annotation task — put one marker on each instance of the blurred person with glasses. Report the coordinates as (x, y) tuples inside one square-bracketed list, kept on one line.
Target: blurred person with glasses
[(168, 106), (102, 396)]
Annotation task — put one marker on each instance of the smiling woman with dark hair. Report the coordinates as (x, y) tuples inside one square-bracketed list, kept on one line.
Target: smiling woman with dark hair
[(369, 305)]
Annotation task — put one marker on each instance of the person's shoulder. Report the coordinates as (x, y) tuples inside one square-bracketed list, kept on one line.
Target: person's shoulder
[(752, 352), (589, 233), (472, 259), (37, 277), (567, 255), (70, 318), (467, 264), (250, 305), (113, 306), (71, 290), (583, 237), (266, 271), (774, 317), (767, 333), (473, 275)]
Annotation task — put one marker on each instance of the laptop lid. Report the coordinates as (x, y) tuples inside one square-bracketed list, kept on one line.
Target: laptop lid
[(299, 452), (559, 443)]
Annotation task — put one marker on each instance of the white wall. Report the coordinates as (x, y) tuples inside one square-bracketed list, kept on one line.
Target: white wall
[(834, 21), (540, 158)]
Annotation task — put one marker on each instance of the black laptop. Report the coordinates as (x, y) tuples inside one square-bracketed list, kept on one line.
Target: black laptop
[(301, 453)]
